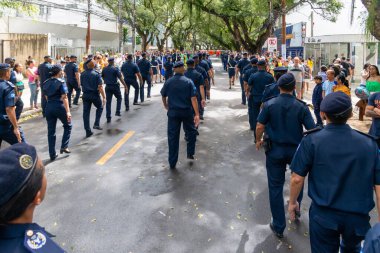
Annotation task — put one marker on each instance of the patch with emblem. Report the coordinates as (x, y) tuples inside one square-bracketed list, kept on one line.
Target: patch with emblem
[(26, 162), (36, 240)]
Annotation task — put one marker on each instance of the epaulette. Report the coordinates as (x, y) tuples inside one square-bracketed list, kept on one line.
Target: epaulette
[(269, 84), (368, 135), (303, 102), (39, 241), (314, 130)]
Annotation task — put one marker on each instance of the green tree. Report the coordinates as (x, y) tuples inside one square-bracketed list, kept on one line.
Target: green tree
[(373, 19), (19, 5)]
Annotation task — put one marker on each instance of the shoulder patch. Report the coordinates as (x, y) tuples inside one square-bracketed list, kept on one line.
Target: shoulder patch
[(317, 129), (39, 241)]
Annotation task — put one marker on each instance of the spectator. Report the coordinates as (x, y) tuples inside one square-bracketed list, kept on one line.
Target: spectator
[(19, 78), (81, 64), (317, 99), (299, 73), (373, 80), (34, 86), (328, 85), (364, 74), (361, 91), (310, 64), (322, 73), (342, 85)]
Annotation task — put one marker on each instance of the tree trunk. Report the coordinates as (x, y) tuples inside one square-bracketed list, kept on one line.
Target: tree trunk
[(144, 42), (376, 17)]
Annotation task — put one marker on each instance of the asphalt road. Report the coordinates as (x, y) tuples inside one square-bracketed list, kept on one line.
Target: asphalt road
[(134, 203)]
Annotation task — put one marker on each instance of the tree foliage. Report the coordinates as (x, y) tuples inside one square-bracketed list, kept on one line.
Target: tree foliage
[(373, 19), (19, 5)]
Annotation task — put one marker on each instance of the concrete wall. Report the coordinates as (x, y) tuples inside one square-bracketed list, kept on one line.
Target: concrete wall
[(20, 46)]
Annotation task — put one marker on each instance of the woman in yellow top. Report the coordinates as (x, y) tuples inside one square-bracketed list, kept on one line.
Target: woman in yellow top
[(373, 81), (310, 64), (342, 85)]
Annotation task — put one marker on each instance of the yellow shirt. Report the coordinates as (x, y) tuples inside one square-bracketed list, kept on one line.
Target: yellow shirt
[(81, 67), (342, 88), (310, 64)]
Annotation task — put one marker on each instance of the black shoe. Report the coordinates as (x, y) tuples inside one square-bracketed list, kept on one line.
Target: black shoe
[(97, 128), (89, 134), (136, 104), (148, 96), (52, 158), (197, 133), (65, 150), (108, 120), (279, 235), (191, 157), (173, 167), (201, 117), (186, 139), (298, 214), (126, 109), (118, 115)]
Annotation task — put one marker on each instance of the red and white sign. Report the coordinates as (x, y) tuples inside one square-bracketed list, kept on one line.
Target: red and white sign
[(272, 44)]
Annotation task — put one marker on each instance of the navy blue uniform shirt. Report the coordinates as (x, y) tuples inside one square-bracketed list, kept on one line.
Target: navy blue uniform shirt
[(248, 72), (7, 99), (179, 90), (243, 63), (144, 66), (317, 96), (374, 100), (343, 167), (54, 88), (129, 70), (26, 238), (71, 69), (90, 80), (204, 64), (246, 68), (275, 116), (12, 78), (44, 71), (257, 82), (110, 75), (232, 63), (202, 71), (168, 68), (196, 77)]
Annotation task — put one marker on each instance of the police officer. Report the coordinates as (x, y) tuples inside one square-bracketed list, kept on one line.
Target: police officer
[(111, 75), (43, 72), (73, 79), (9, 128), (272, 90), (23, 188), (256, 86), (203, 72), (283, 119), (198, 81), (92, 86), (231, 66), (179, 97), (168, 67), (146, 72), (154, 65), (130, 72), (246, 75), (19, 103), (57, 107), (204, 64), (344, 168), (239, 68)]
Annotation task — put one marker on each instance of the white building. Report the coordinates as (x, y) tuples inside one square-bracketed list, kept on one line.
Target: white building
[(58, 28)]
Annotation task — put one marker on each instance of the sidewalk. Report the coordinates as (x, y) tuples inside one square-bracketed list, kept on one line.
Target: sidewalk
[(27, 112), (354, 122)]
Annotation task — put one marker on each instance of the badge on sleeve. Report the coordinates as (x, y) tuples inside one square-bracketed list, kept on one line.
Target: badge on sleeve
[(38, 241)]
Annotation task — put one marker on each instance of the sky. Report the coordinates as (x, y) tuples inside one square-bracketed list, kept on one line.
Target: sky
[(324, 27)]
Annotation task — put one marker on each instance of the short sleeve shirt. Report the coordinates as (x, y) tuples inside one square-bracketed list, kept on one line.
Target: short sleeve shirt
[(110, 75), (374, 100), (328, 87), (71, 69), (129, 70)]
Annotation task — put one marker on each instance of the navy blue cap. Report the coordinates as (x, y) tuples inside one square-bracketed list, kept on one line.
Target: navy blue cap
[(88, 61), (336, 103), (280, 69), (73, 56), (262, 63), (90, 56), (55, 69), (195, 57), (47, 56), (190, 62), (17, 164), (4, 66), (111, 59), (178, 64), (286, 80), (254, 61)]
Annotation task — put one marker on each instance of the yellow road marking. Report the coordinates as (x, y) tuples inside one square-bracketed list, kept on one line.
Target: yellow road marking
[(115, 148)]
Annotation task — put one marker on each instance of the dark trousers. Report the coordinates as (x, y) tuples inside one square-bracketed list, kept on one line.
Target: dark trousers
[(148, 80), (54, 111), (255, 111), (243, 97), (126, 94), (19, 107), (200, 108), (113, 90), (71, 87), (276, 161), (252, 123), (7, 135), (43, 102), (327, 227), (174, 128), (317, 112), (87, 102)]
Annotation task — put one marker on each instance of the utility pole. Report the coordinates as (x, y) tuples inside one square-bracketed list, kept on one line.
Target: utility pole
[(312, 24), (283, 46), (88, 35), (119, 19), (134, 28)]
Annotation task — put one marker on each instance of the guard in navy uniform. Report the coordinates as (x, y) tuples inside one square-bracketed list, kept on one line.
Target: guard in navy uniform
[(43, 72), (256, 87), (168, 66), (92, 86), (246, 75), (146, 72), (23, 187), (57, 107), (272, 90), (203, 72), (343, 168), (239, 68), (204, 64), (9, 128), (19, 103), (131, 72), (111, 75), (179, 97), (198, 81), (283, 119), (73, 79)]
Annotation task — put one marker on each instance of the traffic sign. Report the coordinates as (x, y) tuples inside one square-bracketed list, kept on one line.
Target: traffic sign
[(272, 44)]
